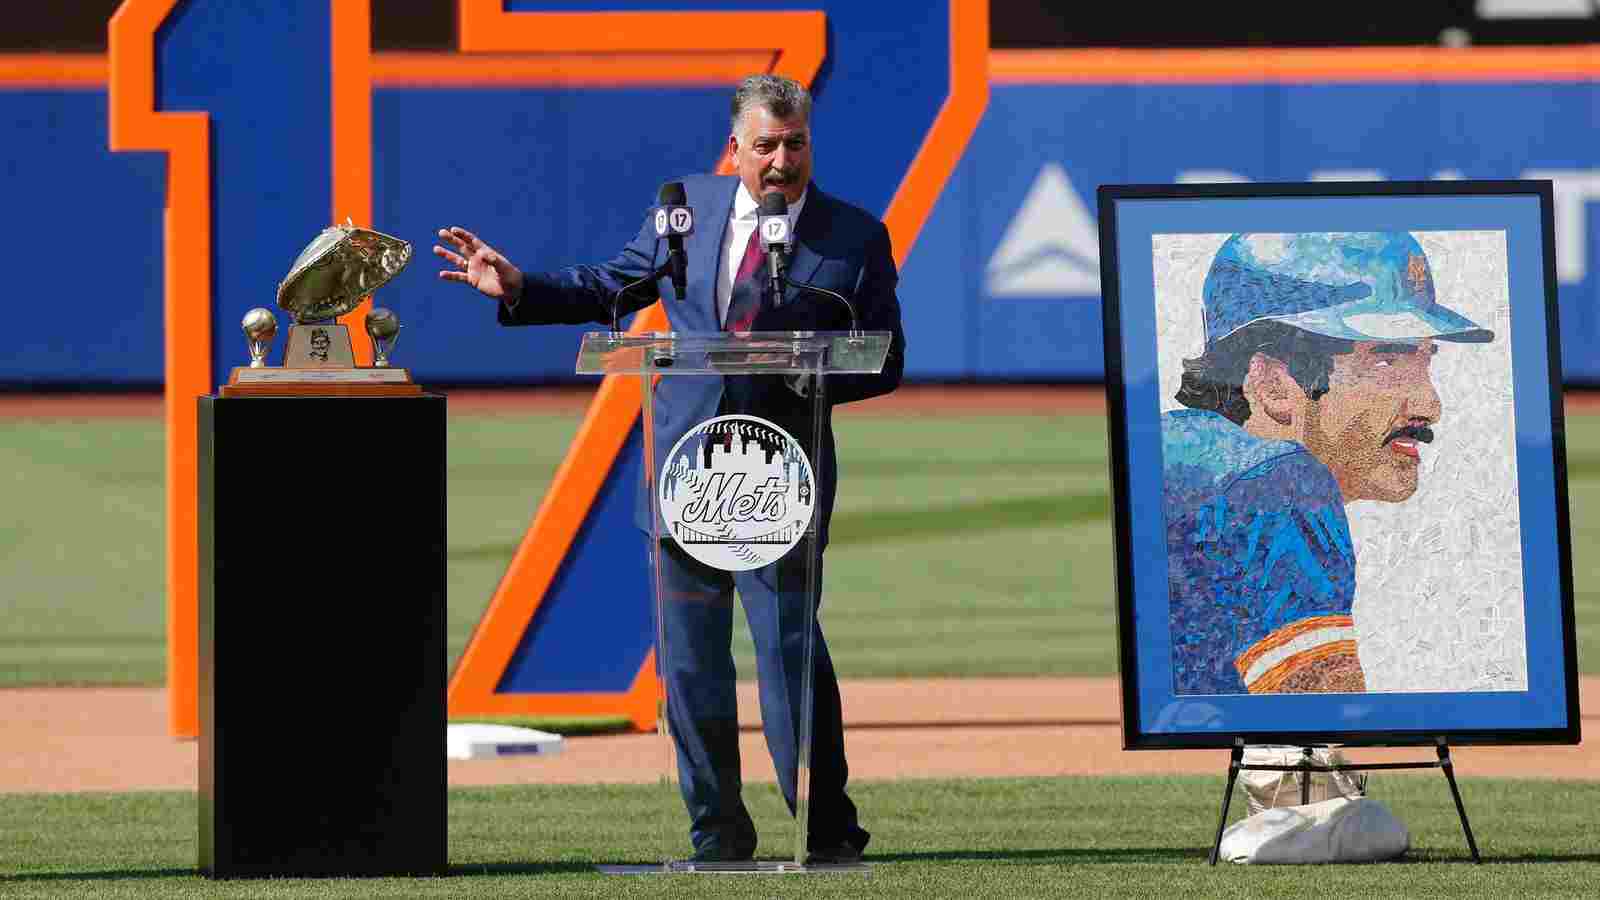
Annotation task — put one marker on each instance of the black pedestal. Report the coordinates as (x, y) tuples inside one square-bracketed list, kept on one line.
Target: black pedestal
[(322, 636)]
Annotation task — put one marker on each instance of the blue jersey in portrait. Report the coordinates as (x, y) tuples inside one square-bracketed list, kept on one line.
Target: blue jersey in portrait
[(1261, 568)]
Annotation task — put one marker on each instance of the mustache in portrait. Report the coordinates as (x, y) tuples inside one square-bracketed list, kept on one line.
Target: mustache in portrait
[(1416, 432)]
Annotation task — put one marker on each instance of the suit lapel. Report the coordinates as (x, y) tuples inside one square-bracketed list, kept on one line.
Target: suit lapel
[(808, 231), (705, 245)]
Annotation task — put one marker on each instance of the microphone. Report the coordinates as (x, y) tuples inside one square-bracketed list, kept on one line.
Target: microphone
[(673, 220), (773, 223)]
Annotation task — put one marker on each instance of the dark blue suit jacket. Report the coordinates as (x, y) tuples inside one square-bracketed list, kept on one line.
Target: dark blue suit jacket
[(836, 246)]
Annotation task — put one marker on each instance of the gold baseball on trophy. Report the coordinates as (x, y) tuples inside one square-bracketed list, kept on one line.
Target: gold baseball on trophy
[(259, 327), (383, 326)]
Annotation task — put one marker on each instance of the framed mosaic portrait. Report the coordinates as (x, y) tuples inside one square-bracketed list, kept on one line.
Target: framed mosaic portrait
[(1338, 464)]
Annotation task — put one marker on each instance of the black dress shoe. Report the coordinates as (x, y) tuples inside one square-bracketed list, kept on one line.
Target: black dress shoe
[(836, 854), (742, 852), (735, 844)]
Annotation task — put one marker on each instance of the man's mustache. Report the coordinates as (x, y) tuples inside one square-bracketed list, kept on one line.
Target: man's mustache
[(1417, 432), (778, 176)]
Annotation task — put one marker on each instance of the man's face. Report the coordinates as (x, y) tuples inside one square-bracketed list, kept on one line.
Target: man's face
[(1369, 428), (770, 153)]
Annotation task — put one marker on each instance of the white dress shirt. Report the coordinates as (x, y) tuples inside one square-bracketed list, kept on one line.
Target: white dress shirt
[(741, 223)]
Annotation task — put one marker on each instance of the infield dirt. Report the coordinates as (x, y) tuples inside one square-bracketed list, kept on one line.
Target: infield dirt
[(115, 739)]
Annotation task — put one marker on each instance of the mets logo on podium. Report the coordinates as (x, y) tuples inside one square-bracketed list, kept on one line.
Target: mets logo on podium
[(736, 492)]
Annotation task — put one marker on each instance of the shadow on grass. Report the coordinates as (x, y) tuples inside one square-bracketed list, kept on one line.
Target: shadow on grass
[(498, 869), (102, 875), (459, 870), (1067, 855), (1073, 855), (1125, 855), (1523, 858)]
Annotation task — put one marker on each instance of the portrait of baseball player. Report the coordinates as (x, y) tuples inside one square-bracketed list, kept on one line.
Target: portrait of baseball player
[(1303, 433)]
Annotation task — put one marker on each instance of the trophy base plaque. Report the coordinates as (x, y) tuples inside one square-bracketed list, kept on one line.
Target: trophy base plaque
[(328, 382)]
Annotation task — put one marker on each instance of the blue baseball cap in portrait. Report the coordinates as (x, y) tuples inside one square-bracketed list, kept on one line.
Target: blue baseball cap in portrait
[(1357, 286)]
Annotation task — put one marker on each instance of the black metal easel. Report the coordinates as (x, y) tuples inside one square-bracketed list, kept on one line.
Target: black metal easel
[(1306, 767)]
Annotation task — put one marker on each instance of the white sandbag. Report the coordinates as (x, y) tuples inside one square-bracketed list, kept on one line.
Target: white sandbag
[(1337, 830), (1266, 790)]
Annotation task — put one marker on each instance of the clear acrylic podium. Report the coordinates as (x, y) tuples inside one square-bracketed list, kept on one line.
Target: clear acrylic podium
[(737, 493)]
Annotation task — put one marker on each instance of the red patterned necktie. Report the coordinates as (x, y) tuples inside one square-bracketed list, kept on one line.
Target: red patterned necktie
[(744, 302)]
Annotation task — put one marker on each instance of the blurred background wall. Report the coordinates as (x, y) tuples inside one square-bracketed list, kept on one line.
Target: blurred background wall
[(1003, 283)]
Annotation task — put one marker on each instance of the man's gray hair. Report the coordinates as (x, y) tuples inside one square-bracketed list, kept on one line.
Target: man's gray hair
[(783, 97)]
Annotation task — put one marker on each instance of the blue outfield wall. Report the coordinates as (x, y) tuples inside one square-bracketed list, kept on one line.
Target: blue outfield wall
[(1003, 282), (1015, 231), (83, 285)]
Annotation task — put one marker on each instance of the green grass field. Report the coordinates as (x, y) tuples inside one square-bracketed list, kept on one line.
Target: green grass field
[(998, 548), (1060, 837)]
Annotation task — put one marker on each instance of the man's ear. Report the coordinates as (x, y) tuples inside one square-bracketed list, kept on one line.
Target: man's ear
[(1271, 390)]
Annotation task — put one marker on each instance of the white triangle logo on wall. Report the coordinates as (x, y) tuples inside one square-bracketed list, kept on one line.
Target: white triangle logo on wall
[(1051, 248)]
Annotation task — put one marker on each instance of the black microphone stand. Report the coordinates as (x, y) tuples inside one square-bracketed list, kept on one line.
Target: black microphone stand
[(650, 276), (855, 326)]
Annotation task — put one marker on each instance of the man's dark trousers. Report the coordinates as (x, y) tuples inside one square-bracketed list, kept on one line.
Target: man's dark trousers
[(698, 668)]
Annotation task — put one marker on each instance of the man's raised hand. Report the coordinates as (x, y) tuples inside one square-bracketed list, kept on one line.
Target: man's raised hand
[(477, 264)]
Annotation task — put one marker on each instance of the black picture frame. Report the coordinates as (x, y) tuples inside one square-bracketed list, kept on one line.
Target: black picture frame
[(1546, 710)]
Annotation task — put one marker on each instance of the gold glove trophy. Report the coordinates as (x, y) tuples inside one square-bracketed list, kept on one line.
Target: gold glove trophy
[(333, 274)]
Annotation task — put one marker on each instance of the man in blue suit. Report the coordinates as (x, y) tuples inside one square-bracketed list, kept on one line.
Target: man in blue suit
[(838, 247)]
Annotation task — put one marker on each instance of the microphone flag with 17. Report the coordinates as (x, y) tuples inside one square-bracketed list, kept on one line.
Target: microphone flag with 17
[(673, 220)]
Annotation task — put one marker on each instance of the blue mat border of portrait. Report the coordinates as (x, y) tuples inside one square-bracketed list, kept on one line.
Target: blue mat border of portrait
[(1545, 705)]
